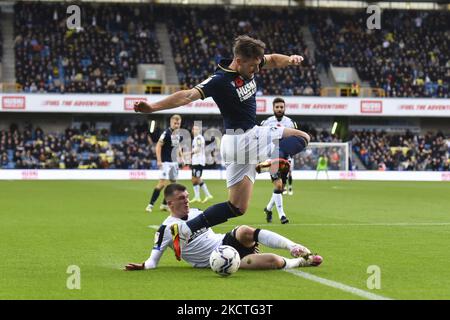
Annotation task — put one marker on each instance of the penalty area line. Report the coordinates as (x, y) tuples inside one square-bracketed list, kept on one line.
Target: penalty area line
[(337, 285)]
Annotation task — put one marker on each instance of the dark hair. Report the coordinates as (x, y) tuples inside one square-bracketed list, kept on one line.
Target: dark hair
[(171, 188), (248, 48), (278, 99)]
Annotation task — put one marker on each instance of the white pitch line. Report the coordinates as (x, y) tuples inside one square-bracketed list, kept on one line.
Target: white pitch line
[(393, 224), (338, 285)]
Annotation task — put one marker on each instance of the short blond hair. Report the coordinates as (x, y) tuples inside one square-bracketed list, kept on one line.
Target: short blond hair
[(175, 117)]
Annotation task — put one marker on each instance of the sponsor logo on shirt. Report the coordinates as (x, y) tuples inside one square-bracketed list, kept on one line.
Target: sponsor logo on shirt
[(246, 91)]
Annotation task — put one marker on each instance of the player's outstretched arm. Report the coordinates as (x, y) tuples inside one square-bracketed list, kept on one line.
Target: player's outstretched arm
[(276, 60), (175, 100)]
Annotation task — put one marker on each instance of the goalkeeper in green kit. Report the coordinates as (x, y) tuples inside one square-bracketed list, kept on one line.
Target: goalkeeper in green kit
[(322, 165)]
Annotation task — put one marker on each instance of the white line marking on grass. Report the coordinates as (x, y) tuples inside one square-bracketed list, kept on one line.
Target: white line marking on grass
[(393, 224), (338, 285)]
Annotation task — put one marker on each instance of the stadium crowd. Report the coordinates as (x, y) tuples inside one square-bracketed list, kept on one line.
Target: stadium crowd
[(1, 46), (98, 57), (201, 37), (380, 151), (121, 147), (407, 57)]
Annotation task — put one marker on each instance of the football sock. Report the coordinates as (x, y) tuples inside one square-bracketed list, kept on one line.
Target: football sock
[(274, 240), (278, 198), (205, 189), (293, 263), (270, 204), (292, 145), (155, 196), (290, 181), (196, 191), (214, 215)]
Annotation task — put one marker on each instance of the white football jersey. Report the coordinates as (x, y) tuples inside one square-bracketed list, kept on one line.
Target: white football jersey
[(285, 122), (198, 150), (196, 251)]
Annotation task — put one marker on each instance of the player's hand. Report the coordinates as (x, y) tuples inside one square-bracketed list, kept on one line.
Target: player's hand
[(142, 106), (295, 60), (134, 266), (159, 164)]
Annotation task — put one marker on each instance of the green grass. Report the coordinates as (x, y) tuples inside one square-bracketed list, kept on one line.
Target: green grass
[(46, 226)]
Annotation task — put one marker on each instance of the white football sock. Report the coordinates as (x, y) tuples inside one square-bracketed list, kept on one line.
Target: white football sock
[(205, 189), (278, 197), (270, 204), (294, 263), (274, 240), (197, 191)]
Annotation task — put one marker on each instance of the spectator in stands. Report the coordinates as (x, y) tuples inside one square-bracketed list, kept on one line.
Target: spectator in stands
[(96, 58), (404, 60)]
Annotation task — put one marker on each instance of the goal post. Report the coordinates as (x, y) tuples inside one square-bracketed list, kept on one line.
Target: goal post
[(336, 153)]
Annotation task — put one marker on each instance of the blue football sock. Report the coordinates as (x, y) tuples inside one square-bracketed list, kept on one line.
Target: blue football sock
[(292, 145), (214, 215)]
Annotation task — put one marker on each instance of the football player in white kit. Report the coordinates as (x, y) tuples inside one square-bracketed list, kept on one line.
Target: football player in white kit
[(202, 243), (278, 179), (198, 163), (246, 148)]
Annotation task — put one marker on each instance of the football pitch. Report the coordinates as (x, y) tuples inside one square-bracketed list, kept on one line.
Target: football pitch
[(391, 235)]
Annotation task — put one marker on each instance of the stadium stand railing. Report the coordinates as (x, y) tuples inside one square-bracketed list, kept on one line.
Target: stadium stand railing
[(10, 87), (152, 89), (346, 92)]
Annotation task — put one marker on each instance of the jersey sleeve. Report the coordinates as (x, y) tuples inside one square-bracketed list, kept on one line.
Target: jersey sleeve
[(162, 138), (294, 124), (162, 240), (209, 87)]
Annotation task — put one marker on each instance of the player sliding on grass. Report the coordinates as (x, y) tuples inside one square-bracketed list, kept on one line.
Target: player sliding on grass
[(203, 242), (245, 147)]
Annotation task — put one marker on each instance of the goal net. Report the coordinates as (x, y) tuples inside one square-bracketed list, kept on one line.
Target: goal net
[(336, 154)]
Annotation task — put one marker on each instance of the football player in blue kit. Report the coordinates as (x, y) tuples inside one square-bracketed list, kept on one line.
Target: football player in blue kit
[(246, 147)]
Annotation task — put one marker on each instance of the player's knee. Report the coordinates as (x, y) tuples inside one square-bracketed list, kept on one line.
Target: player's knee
[(278, 185), (245, 233), (307, 137), (276, 262)]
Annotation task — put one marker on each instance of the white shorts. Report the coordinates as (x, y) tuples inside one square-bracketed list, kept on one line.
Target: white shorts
[(169, 171), (242, 152)]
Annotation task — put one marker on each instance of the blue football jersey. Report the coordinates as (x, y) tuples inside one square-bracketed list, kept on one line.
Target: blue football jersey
[(234, 95)]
